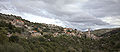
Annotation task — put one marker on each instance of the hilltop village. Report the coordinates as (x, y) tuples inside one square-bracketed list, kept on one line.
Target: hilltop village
[(39, 29)]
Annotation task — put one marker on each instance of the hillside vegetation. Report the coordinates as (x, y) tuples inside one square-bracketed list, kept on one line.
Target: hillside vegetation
[(20, 35)]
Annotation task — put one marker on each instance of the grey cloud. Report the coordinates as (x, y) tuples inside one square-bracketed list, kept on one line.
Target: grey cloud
[(75, 12), (103, 8)]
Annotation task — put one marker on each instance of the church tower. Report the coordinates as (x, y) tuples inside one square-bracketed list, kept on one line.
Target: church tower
[(89, 31)]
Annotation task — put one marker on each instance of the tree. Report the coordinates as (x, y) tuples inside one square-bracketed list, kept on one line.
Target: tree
[(3, 37), (14, 38)]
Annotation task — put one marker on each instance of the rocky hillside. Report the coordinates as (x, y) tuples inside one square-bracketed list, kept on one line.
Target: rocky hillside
[(104, 32), (99, 32)]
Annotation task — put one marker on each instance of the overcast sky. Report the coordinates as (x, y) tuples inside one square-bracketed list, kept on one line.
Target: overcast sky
[(80, 14)]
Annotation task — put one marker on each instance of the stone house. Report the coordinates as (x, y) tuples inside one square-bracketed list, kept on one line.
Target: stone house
[(9, 35), (55, 34), (36, 34), (67, 30)]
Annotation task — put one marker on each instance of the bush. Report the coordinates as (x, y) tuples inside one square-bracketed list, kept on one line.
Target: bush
[(14, 38), (11, 48)]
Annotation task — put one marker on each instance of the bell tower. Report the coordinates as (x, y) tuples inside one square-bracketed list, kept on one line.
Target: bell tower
[(89, 33)]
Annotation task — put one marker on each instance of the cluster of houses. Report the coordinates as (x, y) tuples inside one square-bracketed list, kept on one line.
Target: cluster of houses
[(17, 23), (34, 33), (20, 23), (67, 31), (72, 32)]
